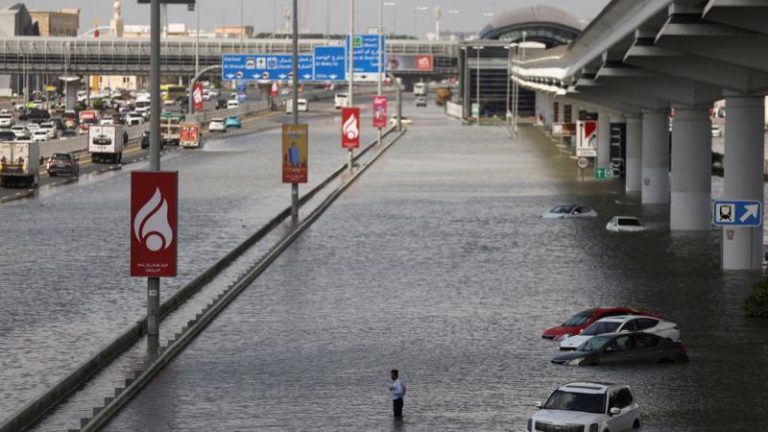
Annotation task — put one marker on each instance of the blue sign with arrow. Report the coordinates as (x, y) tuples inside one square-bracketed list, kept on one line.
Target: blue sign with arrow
[(366, 52), (737, 213), (265, 67), (330, 63)]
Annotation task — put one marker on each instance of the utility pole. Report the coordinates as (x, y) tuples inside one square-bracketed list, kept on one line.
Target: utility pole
[(153, 283), (478, 48), (295, 101), (381, 57), (351, 96)]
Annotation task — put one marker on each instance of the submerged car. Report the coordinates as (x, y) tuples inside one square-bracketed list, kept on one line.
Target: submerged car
[(575, 324), (570, 211), (232, 122), (625, 348), (587, 407), (625, 224), (623, 324)]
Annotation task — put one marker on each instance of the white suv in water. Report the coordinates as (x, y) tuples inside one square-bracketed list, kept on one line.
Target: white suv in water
[(587, 407)]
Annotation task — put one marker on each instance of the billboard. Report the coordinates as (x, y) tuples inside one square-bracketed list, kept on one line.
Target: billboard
[(330, 63), (618, 149), (197, 96), (366, 52), (154, 221), (380, 112), (417, 63), (295, 153), (350, 128), (265, 67), (586, 139)]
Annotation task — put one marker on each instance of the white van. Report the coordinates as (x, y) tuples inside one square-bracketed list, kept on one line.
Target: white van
[(340, 100), (303, 106)]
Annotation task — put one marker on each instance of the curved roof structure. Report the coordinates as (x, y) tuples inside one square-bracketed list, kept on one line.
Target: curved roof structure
[(545, 24)]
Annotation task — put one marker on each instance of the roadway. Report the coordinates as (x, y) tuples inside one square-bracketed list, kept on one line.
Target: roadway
[(438, 263)]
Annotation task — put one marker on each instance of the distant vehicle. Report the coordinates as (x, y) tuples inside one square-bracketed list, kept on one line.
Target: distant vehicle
[(58, 124), (49, 128), (70, 119), (106, 143), (624, 224), (36, 115), (134, 118), (142, 106), (625, 348), (405, 120), (570, 211), (217, 125), (189, 135), (443, 95), (62, 164), (68, 133), (88, 118), (40, 135), (19, 164), (420, 89), (303, 106), (107, 122), (8, 135), (623, 324), (232, 122), (6, 120), (233, 104), (31, 127), (21, 132), (169, 127), (145, 139), (575, 324), (340, 100), (171, 92), (421, 101), (587, 407)]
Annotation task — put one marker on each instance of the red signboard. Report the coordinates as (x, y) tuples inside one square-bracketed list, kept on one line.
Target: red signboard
[(424, 62), (154, 211), (350, 128), (274, 90), (380, 112), (295, 153), (197, 96)]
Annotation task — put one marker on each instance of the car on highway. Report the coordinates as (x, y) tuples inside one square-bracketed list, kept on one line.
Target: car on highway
[(421, 101), (405, 120), (134, 118), (68, 133), (40, 135), (621, 348), (233, 104), (623, 324), (625, 224), (145, 139), (50, 128), (303, 106), (569, 211), (107, 121), (21, 132), (217, 125), (587, 407), (8, 135), (232, 122), (6, 120), (340, 100), (31, 127), (62, 164), (578, 322)]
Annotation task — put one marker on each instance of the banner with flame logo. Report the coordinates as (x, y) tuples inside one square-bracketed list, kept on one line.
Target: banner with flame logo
[(380, 112), (350, 128), (197, 96), (154, 213)]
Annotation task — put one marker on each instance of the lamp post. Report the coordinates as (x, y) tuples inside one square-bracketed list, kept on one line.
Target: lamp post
[(197, 37), (350, 97), (477, 49), (295, 100), (394, 16)]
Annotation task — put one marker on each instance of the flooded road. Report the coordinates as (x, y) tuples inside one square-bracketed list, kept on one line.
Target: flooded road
[(438, 263)]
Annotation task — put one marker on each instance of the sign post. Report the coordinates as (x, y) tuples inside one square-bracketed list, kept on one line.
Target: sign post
[(350, 132), (380, 114), (737, 213)]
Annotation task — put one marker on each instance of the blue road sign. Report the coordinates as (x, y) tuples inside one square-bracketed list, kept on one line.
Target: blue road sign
[(330, 63), (737, 213), (264, 67), (366, 52)]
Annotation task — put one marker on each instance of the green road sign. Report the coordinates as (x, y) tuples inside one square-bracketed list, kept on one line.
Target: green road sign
[(600, 173)]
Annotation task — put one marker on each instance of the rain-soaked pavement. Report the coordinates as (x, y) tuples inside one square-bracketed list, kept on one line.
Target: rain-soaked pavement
[(437, 263)]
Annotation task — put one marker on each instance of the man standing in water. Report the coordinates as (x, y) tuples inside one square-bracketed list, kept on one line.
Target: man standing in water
[(397, 390)]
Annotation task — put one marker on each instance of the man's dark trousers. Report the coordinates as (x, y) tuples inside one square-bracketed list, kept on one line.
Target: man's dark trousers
[(397, 405)]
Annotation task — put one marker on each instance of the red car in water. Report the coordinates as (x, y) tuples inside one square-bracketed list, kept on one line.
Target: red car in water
[(581, 320)]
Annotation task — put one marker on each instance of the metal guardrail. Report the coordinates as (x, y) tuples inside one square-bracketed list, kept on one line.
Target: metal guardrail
[(125, 56)]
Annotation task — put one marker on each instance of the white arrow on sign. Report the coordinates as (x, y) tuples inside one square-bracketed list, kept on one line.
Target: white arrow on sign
[(333, 76), (282, 76), (307, 76), (230, 76), (751, 212)]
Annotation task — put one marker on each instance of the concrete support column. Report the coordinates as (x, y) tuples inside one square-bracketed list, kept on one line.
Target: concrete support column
[(561, 112), (655, 158), (603, 139), (743, 247), (691, 197), (634, 174), (70, 94)]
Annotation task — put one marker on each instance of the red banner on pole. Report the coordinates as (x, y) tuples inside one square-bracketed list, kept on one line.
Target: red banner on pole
[(197, 96), (295, 153), (350, 128), (380, 112), (154, 219)]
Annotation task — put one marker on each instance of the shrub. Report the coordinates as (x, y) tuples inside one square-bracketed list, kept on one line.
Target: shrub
[(756, 304)]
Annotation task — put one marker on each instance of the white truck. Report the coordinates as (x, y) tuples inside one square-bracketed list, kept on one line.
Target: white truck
[(420, 89), (142, 106), (106, 143), (19, 164)]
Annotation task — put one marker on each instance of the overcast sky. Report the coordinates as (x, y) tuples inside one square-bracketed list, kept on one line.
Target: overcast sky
[(264, 15)]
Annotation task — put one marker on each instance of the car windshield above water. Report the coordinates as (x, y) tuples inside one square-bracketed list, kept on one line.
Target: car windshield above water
[(571, 401), (594, 344), (629, 222), (61, 157), (601, 327), (578, 320)]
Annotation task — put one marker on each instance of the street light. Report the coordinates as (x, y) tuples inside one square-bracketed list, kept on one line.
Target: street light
[(477, 49), (394, 16)]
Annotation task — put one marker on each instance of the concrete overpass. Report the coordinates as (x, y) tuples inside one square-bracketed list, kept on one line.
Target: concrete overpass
[(641, 59)]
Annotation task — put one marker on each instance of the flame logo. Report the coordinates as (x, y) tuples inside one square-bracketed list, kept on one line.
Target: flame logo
[(151, 225), (350, 129)]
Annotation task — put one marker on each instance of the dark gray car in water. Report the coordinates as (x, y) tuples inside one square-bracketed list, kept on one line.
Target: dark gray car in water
[(624, 348)]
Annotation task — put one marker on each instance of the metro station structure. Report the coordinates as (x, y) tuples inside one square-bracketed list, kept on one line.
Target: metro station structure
[(659, 65)]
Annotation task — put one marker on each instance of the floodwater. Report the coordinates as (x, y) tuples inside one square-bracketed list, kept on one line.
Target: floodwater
[(65, 289), (438, 263)]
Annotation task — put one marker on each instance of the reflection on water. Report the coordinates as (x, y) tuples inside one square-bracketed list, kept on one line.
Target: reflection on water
[(438, 263)]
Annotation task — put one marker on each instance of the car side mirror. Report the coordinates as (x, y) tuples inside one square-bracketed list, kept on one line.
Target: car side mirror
[(538, 404), (614, 411)]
